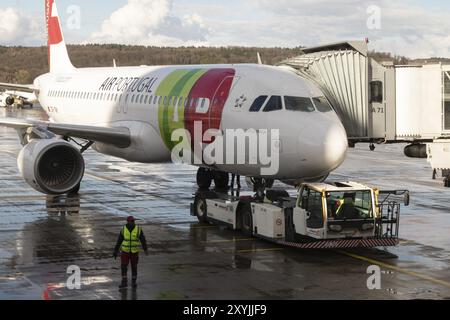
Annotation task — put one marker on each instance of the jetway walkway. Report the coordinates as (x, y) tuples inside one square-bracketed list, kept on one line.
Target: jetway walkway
[(383, 102)]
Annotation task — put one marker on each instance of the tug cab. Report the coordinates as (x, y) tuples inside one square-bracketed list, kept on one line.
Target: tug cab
[(335, 211)]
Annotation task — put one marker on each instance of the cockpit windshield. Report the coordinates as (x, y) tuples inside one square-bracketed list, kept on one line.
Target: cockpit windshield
[(298, 104), (322, 104)]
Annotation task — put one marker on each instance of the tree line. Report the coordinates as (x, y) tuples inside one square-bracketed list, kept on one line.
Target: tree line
[(23, 64)]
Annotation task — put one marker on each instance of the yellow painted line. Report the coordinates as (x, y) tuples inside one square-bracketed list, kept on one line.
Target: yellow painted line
[(399, 269), (259, 250), (227, 241)]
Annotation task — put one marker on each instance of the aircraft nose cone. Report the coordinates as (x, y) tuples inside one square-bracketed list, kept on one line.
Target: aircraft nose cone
[(334, 146), (323, 147)]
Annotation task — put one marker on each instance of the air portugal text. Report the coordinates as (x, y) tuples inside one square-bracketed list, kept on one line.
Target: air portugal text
[(129, 84)]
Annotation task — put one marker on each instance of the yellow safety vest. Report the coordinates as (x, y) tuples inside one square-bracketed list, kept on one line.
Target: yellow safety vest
[(341, 202), (131, 242)]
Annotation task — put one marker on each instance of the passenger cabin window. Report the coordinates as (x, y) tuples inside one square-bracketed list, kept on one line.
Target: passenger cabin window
[(322, 104), (446, 99), (376, 91), (274, 104), (258, 103), (298, 104)]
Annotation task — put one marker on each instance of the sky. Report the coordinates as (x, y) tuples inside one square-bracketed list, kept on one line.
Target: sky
[(413, 28)]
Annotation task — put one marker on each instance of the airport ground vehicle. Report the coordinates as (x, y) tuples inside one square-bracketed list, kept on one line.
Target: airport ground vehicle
[(322, 215)]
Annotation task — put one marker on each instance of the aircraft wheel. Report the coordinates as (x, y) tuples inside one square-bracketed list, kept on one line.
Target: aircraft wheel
[(200, 209), (75, 190), (221, 180), (204, 178)]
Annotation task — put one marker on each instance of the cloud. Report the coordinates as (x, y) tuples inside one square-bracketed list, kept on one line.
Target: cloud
[(151, 22), (18, 28), (406, 27)]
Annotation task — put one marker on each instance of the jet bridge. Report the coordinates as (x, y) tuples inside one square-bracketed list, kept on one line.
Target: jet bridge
[(383, 102)]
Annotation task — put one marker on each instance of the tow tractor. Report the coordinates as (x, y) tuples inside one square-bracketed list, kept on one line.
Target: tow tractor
[(321, 216)]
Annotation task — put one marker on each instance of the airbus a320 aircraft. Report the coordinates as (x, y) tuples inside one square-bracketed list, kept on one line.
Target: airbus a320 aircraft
[(131, 113)]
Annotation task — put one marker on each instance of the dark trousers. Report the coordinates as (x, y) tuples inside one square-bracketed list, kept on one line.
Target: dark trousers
[(125, 259)]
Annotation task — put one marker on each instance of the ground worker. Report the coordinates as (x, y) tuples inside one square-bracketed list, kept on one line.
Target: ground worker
[(131, 238)]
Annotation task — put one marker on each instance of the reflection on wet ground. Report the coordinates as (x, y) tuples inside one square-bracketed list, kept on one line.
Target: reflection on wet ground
[(42, 236)]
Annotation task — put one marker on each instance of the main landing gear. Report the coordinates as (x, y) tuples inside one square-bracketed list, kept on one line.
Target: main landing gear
[(206, 176)]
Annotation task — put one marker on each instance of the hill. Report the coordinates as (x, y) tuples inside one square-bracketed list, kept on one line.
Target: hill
[(23, 64)]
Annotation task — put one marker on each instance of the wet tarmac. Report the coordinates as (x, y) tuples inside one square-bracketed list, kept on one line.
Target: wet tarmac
[(42, 236)]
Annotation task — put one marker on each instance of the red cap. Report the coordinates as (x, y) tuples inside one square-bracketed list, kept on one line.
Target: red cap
[(130, 219)]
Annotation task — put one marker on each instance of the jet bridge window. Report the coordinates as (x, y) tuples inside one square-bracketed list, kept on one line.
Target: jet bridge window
[(274, 104), (258, 103), (446, 98), (376, 92), (299, 104), (322, 104)]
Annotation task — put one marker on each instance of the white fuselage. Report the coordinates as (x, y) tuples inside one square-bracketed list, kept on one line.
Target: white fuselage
[(311, 143)]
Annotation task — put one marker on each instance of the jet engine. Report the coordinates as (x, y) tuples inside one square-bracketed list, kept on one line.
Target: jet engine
[(51, 166)]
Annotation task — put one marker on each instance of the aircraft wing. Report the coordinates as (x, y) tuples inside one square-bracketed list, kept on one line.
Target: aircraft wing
[(19, 87), (118, 136)]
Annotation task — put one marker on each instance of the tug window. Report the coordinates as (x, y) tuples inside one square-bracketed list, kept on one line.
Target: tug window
[(258, 103), (314, 207), (274, 104), (299, 104)]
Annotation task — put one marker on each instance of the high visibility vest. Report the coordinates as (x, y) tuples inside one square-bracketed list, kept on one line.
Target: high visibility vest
[(341, 203), (131, 242)]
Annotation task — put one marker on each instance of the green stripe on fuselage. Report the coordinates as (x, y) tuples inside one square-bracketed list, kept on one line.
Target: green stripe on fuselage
[(179, 83)]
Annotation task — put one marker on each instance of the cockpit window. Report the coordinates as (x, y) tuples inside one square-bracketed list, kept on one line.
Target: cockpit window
[(322, 104), (274, 104), (299, 104), (258, 103)]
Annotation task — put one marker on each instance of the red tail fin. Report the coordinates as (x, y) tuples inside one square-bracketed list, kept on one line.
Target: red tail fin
[(58, 59)]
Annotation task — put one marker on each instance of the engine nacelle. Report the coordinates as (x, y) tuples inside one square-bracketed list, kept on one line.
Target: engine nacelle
[(51, 166), (416, 150)]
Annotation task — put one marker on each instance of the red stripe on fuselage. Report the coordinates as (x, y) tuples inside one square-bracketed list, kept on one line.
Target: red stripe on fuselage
[(214, 85)]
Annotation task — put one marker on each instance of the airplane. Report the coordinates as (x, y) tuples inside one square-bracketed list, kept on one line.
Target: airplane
[(22, 99), (132, 112)]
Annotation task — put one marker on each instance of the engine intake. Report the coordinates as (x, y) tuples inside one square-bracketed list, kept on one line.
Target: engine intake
[(51, 166)]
